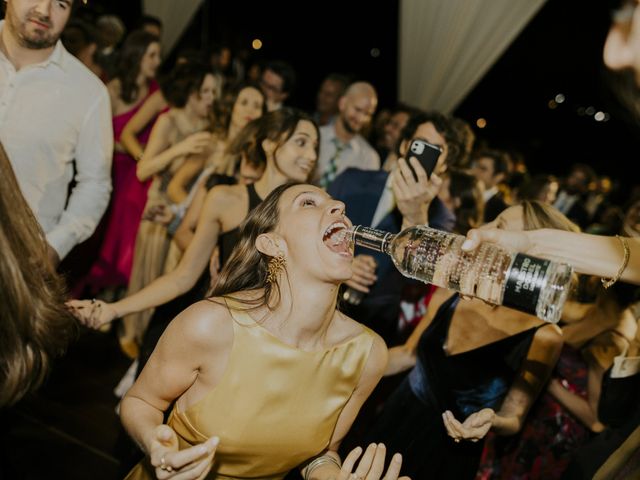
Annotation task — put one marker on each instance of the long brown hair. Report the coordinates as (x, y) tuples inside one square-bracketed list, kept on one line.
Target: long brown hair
[(247, 268), (469, 211), (35, 326), (133, 51), (277, 126)]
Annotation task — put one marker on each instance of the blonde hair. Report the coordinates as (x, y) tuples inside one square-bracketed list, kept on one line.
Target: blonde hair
[(537, 215), (35, 326)]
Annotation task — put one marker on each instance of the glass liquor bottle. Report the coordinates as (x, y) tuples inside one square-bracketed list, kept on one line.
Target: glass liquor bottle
[(491, 273)]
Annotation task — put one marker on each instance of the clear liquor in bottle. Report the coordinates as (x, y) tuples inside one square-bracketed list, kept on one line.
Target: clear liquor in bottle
[(491, 273)]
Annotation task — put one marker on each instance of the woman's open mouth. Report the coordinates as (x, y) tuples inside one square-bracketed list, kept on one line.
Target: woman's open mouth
[(337, 238)]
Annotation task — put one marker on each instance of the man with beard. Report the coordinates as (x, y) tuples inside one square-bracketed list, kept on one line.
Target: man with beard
[(53, 113), (341, 145)]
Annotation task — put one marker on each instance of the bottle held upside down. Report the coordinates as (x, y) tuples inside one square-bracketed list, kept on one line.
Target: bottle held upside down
[(533, 285)]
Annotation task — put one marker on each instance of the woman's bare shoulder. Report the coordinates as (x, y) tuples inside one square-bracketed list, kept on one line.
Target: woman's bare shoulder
[(206, 323), (226, 195), (349, 329), (549, 335)]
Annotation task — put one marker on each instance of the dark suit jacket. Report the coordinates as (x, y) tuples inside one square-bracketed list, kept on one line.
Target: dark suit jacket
[(494, 207), (361, 190)]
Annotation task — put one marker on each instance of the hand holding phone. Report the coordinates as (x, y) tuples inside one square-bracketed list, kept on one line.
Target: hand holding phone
[(426, 153)]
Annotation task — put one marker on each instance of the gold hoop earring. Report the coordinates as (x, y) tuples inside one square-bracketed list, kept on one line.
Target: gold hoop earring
[(276, 265)]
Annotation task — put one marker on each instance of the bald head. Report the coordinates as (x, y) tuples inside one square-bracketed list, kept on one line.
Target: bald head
[(357, 106), (361, 89)]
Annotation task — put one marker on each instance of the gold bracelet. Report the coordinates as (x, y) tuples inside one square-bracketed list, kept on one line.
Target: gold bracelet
[(323, 460), (625, 262)]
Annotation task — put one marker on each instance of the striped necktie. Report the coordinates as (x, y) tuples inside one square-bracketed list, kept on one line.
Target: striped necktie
[(331, 172)]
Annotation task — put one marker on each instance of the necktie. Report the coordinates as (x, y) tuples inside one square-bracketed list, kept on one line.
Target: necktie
[(332, 168)]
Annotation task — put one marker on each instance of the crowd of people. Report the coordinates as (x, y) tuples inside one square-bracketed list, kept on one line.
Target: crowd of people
[(263, 344)]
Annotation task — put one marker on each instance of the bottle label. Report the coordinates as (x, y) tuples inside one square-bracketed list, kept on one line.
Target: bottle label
[(371, 238), (525, 281)]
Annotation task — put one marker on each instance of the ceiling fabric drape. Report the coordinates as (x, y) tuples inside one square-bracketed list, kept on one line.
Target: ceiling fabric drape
[(447, 46), (175, 15)]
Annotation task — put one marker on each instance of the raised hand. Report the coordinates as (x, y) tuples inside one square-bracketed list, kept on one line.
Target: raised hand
[(364, 273), (92, 313), (195, 143), (371, 465), (169, 461), (414, 196), (474, 428)]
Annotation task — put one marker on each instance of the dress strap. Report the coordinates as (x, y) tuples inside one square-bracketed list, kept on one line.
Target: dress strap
[(254, 198)]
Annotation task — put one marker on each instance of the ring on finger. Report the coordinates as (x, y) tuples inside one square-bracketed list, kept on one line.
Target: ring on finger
[(457, 440), (355, 476), (164, 466)]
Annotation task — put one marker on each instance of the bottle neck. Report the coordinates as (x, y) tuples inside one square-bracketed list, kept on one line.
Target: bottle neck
[(372, 238)]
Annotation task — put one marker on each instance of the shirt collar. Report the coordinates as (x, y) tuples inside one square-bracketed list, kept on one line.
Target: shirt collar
[(490, 193), (353, 143)]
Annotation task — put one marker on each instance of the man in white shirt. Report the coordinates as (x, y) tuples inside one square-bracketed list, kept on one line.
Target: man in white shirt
[(53, 113), (341, 145)]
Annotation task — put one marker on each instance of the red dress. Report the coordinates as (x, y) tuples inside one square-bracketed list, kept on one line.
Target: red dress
[(128, 199)]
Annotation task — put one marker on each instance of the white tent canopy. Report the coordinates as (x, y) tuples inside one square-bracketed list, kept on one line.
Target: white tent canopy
[(447, 46), (175, 15)]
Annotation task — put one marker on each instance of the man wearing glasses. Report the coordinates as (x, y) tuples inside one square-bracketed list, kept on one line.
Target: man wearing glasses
[(277, 82)]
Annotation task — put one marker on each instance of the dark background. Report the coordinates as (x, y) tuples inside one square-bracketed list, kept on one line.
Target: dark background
[(560, 51)]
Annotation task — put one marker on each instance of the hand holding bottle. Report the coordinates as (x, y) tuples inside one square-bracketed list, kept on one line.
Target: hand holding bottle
[(532, 285), (511, 240)]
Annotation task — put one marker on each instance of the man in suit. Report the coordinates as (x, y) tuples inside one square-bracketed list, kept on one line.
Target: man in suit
[(572, 196), (491, 167), (390, 202)]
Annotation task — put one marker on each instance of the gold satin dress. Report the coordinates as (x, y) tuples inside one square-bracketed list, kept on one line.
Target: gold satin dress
[(275, 407)]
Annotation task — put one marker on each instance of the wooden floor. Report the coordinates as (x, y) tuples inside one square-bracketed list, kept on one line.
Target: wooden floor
[(69, 429)]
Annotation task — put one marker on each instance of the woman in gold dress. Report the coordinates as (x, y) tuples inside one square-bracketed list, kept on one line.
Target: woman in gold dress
[(266, 375)]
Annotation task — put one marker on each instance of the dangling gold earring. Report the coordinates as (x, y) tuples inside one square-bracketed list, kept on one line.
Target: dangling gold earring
[(276, 265)]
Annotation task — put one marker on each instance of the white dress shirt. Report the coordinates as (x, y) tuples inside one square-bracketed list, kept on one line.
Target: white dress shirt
[(386, 204), (357, 154), (489, 194), (53, 114)]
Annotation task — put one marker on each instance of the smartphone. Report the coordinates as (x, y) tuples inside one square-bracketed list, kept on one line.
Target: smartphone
[(426, 153)]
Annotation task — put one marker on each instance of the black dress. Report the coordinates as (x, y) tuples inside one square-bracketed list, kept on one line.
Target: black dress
[(167, 312), (411, 420)]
